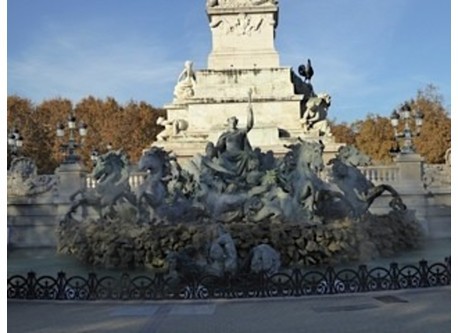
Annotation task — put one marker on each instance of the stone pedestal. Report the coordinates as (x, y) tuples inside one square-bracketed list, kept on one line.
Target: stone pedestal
[(410, 170), (243, 58), (410, 187), (71, 178), (32, 222), (243, 36)]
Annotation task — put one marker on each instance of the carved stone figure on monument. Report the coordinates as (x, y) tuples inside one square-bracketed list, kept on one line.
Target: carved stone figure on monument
[(222, 256), (172, 128), (358, 192), (298, 175), (314, 120), (242, 24), (245, 24), (306, 71), (162, 195), (186, 82), (212, 3), (197, 166), (111, 173), (289, 192), (24, 181), (264, 259), (233, 147), (302, 88)]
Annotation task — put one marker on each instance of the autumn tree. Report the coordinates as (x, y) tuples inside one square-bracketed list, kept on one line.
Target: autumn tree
[(375, 137), (49, 113), (21, 114), (343, 133), (435, 134), (102, 117), (139, 128), (131, 127)]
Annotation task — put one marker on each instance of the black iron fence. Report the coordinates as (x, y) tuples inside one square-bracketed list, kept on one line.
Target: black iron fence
[(296, 282)]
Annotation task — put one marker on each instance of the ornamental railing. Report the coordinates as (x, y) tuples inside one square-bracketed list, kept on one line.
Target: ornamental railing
[(296, 282), (381, 173), (135, 179), (376, 174)]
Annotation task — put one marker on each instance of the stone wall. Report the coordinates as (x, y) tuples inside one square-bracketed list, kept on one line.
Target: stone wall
[(32, 221)]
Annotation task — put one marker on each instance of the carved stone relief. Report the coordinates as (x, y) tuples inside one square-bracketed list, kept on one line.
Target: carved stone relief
[(242, 24), (239, 3)]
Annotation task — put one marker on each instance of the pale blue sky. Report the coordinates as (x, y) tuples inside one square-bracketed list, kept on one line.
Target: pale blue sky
[(370, 55)]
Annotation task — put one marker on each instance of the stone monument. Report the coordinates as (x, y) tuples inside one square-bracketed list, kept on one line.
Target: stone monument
[(243, 58)]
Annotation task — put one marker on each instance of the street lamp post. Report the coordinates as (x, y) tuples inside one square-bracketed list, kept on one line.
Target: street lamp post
[(15, 142), (70, 147), (405, 114), (94, 156)]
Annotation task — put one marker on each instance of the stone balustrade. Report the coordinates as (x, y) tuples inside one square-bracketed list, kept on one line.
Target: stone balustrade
[(31, 220), (378, 174), (135, 180), (387, 174), (90, 181)]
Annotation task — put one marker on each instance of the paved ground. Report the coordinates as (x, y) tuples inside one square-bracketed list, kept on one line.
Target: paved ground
[(416, 311)]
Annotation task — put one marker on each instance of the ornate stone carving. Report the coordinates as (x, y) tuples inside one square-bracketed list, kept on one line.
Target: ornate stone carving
[(234, 183), (264, 259), (172, 128), (163, 195), (112, 175), (314, 121), (357, 192), (233, 147), (186, 82), (239, 3), (24, 181), (222, 256), (242, 24)]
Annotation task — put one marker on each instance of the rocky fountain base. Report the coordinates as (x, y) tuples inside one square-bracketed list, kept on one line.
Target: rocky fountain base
[(234, 210), (124, 244)]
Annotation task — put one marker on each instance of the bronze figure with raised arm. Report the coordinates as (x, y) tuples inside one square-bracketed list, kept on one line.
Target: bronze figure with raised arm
[(233, 147)]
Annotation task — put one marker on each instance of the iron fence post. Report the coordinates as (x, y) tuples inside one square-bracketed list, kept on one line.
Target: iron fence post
[(61, 281), (92, 286), (424, 282), (394, 276), (363, 278), (330, 276), (31, 284)]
